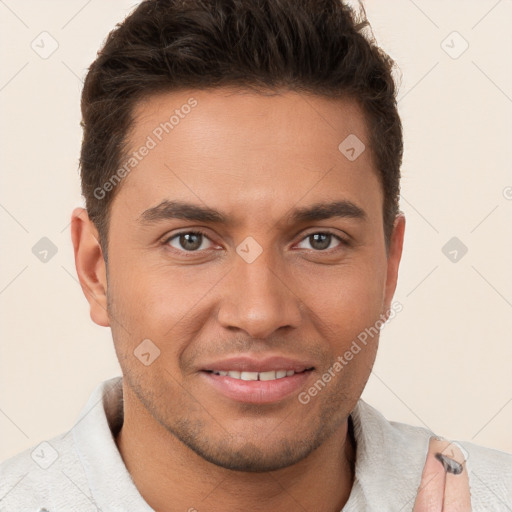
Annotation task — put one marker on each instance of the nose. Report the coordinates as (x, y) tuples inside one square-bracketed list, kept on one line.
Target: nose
[(259, 298)]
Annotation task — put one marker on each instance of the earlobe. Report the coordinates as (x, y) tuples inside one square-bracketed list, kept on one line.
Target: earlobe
[(90, 265), (395, 253)]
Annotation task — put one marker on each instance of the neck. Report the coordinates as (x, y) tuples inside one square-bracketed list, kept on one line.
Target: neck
[(166, 471)]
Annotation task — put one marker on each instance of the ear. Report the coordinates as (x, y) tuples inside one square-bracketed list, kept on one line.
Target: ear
[(394, 255), (90, 265)]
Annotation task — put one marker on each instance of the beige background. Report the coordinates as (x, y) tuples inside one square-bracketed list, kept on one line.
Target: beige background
[(444, 362)]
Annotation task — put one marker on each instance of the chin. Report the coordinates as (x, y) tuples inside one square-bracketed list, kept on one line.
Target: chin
[(238, 453), (252, 459)]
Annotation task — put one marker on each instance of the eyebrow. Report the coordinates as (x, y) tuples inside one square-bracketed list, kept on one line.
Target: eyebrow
[(167, 210)]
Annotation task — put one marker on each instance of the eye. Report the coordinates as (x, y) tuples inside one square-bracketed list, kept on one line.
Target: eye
[(188, 241), (321, 241), (196, 241)]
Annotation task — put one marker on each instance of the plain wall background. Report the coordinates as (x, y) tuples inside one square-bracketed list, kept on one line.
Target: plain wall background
[(444, 361)]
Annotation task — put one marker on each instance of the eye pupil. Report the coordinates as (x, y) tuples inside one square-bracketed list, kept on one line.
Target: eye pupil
[(186, 243), (325, 239)]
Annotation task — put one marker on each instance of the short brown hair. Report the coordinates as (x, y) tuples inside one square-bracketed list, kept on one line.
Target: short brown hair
[(313, 46)]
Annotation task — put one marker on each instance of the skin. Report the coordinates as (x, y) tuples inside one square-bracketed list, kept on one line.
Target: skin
[(441, 491), (254, 158)]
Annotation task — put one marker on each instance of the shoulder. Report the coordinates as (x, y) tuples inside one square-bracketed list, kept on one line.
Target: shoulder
[(489, 470), (31, 480), (54, 473), (490, 476)]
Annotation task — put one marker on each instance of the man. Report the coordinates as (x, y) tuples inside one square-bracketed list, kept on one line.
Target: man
[(240, 165)]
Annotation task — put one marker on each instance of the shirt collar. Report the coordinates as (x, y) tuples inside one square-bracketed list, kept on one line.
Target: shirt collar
[(389, 461), (93, 434)]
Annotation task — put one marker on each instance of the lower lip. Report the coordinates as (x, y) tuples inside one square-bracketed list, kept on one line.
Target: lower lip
[(257, 391)]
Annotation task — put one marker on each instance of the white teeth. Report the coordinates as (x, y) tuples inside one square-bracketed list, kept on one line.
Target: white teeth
[(249, 376), (270, 375)]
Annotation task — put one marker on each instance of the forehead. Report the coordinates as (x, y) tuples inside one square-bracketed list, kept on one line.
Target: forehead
[(236, 149)]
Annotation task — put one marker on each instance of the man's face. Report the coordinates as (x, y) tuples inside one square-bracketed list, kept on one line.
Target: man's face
[(258, 284)]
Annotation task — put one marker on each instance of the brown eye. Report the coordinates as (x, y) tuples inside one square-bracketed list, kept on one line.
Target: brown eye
[(322, 240), (189, 241)]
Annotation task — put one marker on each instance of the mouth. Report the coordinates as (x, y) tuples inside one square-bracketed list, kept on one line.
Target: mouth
[(262, 387), (262, 376)]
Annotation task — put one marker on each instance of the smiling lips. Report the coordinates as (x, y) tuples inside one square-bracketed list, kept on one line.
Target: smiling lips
[(246, 379)]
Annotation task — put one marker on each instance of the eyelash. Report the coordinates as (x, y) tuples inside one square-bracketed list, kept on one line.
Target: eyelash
[(343, 242)]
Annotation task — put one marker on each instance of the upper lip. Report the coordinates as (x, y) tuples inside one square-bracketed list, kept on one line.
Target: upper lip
[(253, 364)]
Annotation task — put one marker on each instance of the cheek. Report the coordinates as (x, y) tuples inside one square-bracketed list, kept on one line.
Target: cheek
[(347, 317), (159, 303), (344, 300)]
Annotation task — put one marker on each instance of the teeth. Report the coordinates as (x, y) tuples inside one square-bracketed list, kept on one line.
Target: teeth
[(249, 376), (270, 375)]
